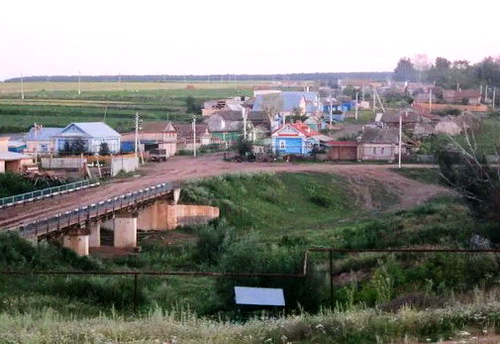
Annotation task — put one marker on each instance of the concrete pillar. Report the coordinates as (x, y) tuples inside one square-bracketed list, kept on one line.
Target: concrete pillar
[(171, 216), (78, 241), (125, 225), (176, 195), (95, 234)]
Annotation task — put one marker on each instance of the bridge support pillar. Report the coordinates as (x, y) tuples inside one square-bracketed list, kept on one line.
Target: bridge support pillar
[(77, 240), (125, 227), (95, 234), (162, 214)]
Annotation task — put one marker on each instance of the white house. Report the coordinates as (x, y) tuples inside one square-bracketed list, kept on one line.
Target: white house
[(90, 135)]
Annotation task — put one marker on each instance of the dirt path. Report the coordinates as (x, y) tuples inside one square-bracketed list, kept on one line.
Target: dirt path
[(180, 169)]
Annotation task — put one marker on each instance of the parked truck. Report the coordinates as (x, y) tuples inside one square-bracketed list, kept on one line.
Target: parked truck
[(158, 155)]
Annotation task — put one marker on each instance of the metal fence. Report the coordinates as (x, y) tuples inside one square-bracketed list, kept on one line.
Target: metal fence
[(303, 273), (92, 211), (43, 193)]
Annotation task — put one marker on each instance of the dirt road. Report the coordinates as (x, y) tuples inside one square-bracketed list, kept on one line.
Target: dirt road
[(180, 169)]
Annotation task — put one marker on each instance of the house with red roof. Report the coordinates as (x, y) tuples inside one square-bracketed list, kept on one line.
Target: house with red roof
[(294, 138)]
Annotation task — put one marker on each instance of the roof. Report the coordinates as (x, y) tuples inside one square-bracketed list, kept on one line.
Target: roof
[(289, 100), (471, 93), (410, 117), (259, 296), (300, 127), (155, 127), (380, 135), (93, 129), (322, 138), (11, 156), (42, 134), (185, 130)]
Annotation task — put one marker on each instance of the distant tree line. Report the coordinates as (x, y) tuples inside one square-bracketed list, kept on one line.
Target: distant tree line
[(449, 74), (212, 78)]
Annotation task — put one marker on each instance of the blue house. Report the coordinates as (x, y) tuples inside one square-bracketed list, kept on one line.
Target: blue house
[(293, 138)]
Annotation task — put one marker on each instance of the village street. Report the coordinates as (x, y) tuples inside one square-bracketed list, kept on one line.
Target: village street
[(183, 168)]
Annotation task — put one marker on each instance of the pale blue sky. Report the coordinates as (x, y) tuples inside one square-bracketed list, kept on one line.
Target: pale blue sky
[(201, 37)]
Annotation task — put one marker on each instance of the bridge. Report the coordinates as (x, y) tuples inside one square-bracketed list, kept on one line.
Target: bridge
[(153, 208)]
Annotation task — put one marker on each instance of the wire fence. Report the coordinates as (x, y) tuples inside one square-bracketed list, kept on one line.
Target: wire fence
[(305, 269), (43, 193)]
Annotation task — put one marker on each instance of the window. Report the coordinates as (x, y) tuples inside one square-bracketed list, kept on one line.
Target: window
[(282, 144)]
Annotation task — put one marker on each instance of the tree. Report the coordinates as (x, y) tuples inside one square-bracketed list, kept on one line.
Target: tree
[(271, 106), (405, 71), (78, 146), (463, 167), (104, 149), (440, 72), (193, 105), (422, 65)]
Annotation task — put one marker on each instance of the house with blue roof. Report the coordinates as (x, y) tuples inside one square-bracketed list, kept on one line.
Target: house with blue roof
[(89, 135)]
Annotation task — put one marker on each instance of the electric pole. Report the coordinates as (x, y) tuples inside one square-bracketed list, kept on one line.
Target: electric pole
[(356, 110), (194, 136), (22, 87)]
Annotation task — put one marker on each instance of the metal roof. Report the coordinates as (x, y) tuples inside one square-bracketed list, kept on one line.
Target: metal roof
[(11, 156), (43, 134), (94, 129), (290, 101), (259, 296)]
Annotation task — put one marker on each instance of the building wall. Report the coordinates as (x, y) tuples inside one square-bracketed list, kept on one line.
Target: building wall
[(383, 152), (4, 144), (288, 145), (343, 153), (40, 147), (126, 164), (63, 163), (2, 166)]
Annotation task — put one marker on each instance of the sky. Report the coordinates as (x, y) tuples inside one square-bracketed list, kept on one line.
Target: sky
[(53, 37)]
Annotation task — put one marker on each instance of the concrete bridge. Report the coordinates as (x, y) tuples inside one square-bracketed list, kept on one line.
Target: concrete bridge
[(152, 208)]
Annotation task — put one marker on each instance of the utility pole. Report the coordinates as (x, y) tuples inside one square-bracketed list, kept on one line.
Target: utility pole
[(363, 92), (494, 94), (480, 92), (194, 136), (136, 134), (244, 115), (374, 100), (331, 111), (22, 87), (430, 100), (485, 94), (356, 110), (401, 136), (79, 83)]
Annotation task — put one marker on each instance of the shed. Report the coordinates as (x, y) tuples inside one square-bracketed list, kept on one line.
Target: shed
[(342, 150)]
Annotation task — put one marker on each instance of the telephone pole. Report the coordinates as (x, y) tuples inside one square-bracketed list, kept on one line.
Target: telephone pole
[(194, 136)]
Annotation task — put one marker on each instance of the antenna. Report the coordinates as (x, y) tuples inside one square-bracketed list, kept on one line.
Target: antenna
[(120, 81)]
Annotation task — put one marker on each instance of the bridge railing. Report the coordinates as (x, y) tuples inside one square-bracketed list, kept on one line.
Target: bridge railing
[(93, 210), (43, 193)]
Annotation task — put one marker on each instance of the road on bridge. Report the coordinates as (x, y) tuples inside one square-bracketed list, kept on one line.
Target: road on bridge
[(183, 168)]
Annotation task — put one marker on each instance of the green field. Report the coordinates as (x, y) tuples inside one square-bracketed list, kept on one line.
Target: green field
[(59, 106)]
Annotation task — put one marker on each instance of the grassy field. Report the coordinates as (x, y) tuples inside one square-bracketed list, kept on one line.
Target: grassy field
[(72, 87), (58, 107)]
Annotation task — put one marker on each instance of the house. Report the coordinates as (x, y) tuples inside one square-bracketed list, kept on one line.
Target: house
[(87, 137), (11, 161), (410, 119), (186, 139), (40, 140), (464, 97), (288, 103), (342, 150), (231, 104), (294, 138), (227, 126), (379, 144), (152, 135)]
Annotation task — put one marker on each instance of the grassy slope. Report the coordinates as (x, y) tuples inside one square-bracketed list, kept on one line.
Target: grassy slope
[(299, 202)]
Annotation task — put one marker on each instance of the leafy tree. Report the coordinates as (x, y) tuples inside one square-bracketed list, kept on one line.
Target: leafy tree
[(440, 72), (193, 105), (104, 149), (405, 71), (271, 105), (78, 146)]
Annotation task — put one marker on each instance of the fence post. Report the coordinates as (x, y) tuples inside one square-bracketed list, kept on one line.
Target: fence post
[(331, 277), (135, 293)]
